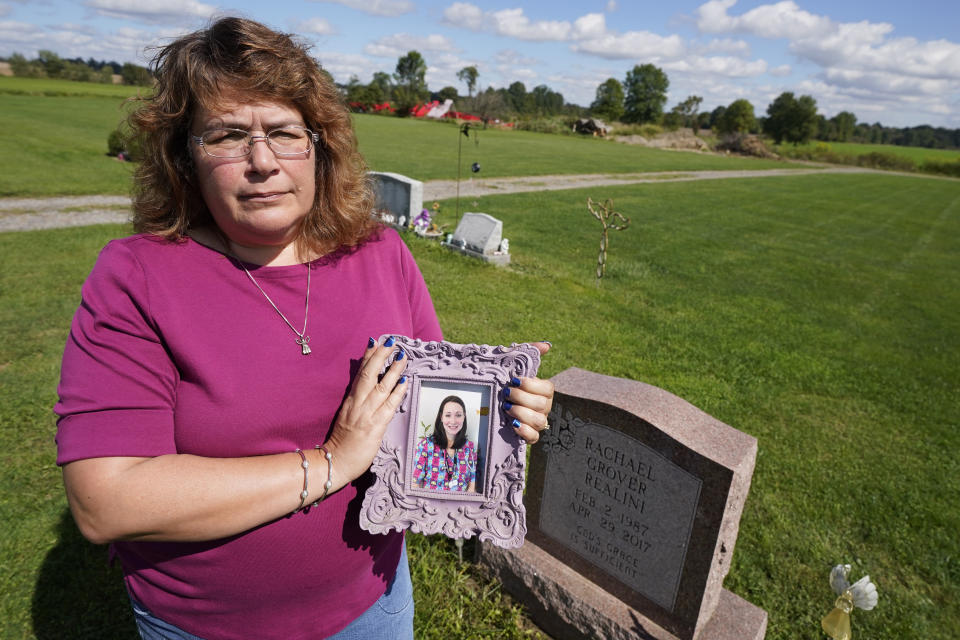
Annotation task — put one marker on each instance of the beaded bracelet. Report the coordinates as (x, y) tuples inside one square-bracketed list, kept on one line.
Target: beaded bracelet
[(329, 482), (306, 465)]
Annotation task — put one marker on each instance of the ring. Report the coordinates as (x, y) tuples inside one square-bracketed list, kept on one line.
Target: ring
[(546, 425)]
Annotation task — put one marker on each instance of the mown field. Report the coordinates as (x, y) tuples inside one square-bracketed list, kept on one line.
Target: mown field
[(918, 155), (817, 313), (55, 140)]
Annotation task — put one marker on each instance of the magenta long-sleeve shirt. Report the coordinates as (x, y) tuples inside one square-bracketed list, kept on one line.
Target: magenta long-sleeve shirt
[(174, 350)]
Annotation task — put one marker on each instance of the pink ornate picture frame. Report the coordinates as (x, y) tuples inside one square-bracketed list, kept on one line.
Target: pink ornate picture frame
[(479, 490)]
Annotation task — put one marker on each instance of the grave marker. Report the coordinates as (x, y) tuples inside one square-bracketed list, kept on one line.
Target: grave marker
[(479, 235), (397, 195), (634, 499)]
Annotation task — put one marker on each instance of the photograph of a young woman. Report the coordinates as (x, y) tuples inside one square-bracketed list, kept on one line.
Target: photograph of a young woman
[(447, 459)]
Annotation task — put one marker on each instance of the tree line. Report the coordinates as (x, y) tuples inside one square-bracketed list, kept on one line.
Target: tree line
[(407, 87), (48, 64), (640, 98)]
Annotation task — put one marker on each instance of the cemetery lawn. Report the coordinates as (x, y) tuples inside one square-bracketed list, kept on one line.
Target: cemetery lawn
[(918, 155), (55, 132), (816, 313)]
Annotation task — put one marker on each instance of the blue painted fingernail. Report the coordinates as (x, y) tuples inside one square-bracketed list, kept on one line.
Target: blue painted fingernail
[(547, 342), (400, 355), (515, 382), (389, 342), (515, 423), (402, 379), (370, 342), (506, 392), (507, 406)]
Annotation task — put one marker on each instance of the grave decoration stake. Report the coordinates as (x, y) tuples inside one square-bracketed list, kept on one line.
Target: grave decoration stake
[(475, 167), (605, 213), (862, 594)]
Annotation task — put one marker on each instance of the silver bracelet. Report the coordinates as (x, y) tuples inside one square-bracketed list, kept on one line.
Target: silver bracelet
[(329, 482), (306, 465)]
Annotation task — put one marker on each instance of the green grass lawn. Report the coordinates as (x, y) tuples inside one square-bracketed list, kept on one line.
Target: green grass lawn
[(428, 151), (816, 313), (918, 155), (55, 132)]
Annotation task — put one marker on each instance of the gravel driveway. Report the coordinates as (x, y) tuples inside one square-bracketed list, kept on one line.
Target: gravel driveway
[(21, 214)]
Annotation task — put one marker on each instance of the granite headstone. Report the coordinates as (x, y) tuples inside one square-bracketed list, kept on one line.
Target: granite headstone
[(479, 235), (634, 499), (397, 195)]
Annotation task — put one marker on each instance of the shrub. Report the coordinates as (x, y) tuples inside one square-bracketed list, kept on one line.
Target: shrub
[(543, 125), (115, 142), (745, 144), (886, 161), (121, 141), (942, 167)]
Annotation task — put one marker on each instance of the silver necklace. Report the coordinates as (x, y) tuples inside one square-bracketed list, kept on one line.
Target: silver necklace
[(302, 339)]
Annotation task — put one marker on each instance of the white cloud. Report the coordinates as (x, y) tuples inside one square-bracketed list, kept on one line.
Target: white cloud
[(718, 66), (316, 26), (728, 46), (862, 64), (513, 23), (168, 12), (611, 6), (781, 71), (592, 25), (376, 7), (5, 9), (399, 44), (633, 45), (343, 65), (514, 57), (465, 15), (781, 20)]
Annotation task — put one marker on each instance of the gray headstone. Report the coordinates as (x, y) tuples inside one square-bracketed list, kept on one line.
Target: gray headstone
[(397, 195), (634, 499), (479, 232)]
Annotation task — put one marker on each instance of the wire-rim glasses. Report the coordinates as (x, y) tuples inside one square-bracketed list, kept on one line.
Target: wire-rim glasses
[(291, 140)]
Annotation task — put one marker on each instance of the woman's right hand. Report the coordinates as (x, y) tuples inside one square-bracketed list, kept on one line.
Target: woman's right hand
[(365, 413)]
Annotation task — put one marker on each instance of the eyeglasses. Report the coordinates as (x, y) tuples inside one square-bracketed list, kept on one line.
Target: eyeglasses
[(292, 140)]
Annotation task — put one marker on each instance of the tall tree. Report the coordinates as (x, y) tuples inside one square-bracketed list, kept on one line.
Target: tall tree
[(411, 86), (469, 76), (688, 110), (844, 122), (545, 100), (517, 95), (646, 93), (51, 62), (737, 118), (608, 103), (791, 119)]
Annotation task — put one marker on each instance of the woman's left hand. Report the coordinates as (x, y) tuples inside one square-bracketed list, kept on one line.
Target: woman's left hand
[(529, 403)]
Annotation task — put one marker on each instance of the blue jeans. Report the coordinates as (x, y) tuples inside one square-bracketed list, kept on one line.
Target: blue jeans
[(389, 618)]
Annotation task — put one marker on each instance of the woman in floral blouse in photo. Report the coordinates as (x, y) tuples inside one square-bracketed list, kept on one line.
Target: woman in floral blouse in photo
[(447, 460)]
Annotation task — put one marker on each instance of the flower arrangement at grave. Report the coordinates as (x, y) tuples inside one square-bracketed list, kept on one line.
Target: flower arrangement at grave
[(862, 594)]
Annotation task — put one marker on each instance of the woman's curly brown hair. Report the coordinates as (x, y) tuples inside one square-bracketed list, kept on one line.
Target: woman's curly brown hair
[(236, 55)]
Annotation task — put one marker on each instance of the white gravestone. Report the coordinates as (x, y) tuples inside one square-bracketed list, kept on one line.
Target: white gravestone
[(479, 235)]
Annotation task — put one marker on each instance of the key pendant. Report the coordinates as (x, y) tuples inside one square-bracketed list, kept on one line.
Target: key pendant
[(304, 344)]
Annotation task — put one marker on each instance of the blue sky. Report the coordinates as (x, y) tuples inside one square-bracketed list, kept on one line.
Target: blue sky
[(893, 62)]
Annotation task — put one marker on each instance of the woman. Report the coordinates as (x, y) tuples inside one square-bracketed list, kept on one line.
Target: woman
[(446, 460), (219, 376)]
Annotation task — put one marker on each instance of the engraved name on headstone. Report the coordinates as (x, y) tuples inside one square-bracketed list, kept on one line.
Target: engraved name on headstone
[(621, 506), (633, 501)]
